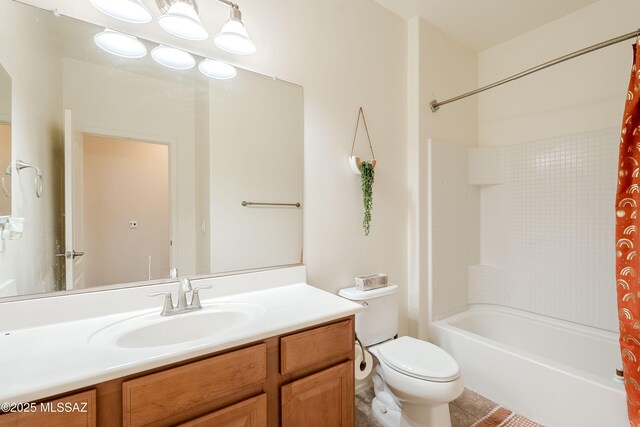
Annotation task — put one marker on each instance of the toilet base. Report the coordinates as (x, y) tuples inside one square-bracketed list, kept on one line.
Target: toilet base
[(385, 415), (425, 416), (384, 407), (389, 412), (419, 416)]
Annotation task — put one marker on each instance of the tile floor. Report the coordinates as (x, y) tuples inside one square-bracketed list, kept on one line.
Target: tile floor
[(466, 411)]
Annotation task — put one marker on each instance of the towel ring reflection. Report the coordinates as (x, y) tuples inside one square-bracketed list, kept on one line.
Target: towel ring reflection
[(3, 181), (38, 178)]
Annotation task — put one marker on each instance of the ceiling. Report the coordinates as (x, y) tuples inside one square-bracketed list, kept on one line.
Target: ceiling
[(481, 24)]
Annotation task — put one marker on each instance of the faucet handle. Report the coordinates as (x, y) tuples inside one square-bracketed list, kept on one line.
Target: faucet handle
[(168, 302), (195, 299)]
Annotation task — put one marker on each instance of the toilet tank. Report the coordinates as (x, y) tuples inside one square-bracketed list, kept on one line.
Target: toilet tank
[(379, 321)]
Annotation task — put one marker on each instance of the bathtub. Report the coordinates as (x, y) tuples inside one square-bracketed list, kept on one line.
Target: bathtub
[(554, 372)]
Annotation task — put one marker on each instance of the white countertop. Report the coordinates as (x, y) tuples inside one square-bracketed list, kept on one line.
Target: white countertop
[(46, 360)]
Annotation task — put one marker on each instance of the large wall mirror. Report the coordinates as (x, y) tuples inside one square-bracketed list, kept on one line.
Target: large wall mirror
[(135, 169)]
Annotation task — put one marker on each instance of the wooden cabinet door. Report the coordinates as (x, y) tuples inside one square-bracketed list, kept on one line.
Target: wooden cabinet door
[(248, 413), (325, 399), (77, 410)]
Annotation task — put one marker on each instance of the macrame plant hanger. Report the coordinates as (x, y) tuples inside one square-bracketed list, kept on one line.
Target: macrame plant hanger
[(354, 161)]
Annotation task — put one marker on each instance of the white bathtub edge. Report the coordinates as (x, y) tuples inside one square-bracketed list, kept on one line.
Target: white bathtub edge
[(544, 391)]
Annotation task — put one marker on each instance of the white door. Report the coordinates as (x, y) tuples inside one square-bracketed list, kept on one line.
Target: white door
[(73, 204)]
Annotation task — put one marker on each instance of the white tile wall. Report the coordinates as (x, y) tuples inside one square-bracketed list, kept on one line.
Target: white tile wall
[(449, 223), (554, 237), (487, 284), (486, 166)]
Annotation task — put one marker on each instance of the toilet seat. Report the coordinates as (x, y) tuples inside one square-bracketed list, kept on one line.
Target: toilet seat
[(419, 359)]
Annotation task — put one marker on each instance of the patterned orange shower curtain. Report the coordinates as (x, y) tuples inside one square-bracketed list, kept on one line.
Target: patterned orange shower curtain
[(628, 242)]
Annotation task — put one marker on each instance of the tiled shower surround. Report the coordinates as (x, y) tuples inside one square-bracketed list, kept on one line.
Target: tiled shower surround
[(547, 230)]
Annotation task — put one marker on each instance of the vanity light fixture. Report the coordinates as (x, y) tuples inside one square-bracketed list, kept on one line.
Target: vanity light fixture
[(217, 69), (233, 37), (120, 44), (125, 10), (173, 58), (180, 18)]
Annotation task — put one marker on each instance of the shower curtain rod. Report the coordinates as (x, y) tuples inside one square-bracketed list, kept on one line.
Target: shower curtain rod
[(435, 105)]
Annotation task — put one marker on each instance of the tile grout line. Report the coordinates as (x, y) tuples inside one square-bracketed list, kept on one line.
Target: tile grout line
[(471, 414), (486, 417), (507, 420)]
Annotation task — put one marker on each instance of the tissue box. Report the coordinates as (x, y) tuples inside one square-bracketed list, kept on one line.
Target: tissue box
[(373, 281)]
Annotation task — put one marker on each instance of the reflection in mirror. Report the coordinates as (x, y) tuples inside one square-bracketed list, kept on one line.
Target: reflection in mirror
[(5, 142), (145, 168)]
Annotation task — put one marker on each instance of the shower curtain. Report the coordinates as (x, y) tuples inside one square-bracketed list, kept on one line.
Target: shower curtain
[(628, 243)]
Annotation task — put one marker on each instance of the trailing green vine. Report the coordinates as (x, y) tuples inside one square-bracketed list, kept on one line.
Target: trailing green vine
[(367, 175)]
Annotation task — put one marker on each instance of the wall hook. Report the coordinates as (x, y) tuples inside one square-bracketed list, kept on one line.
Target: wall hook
[(38, 178)]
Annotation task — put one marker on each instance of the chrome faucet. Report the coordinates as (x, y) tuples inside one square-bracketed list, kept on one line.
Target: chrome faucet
[(184, 287)]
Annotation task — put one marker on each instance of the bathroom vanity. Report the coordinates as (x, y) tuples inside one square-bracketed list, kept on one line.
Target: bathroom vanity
[(289, 378), (290, 363)]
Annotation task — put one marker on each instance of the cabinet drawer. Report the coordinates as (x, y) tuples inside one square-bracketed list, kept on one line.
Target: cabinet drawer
[(152, 398), (76, 410), (248, 413), (319, 345)]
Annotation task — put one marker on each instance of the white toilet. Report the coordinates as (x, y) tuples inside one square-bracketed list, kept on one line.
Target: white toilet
[(414, 380)]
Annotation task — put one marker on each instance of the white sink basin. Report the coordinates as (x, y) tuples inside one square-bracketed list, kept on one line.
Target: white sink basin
[(153, 330)]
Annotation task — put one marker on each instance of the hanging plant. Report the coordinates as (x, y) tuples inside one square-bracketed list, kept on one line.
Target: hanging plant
[(367, 175), (366, 171)]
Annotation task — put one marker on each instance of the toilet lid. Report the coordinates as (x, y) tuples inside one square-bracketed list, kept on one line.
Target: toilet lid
[(419, 359)]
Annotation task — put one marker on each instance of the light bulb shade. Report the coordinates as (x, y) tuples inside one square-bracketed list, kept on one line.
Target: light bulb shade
[(125, 10), (233, 37), (120, 44), (173, 58), (217, 70), (183, 21)]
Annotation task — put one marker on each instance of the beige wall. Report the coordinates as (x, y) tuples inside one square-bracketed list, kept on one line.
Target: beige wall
[(447, 69), (583, 94), (125, 180), (36, 129), (5, 95), (5, 160), (438, 67)]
